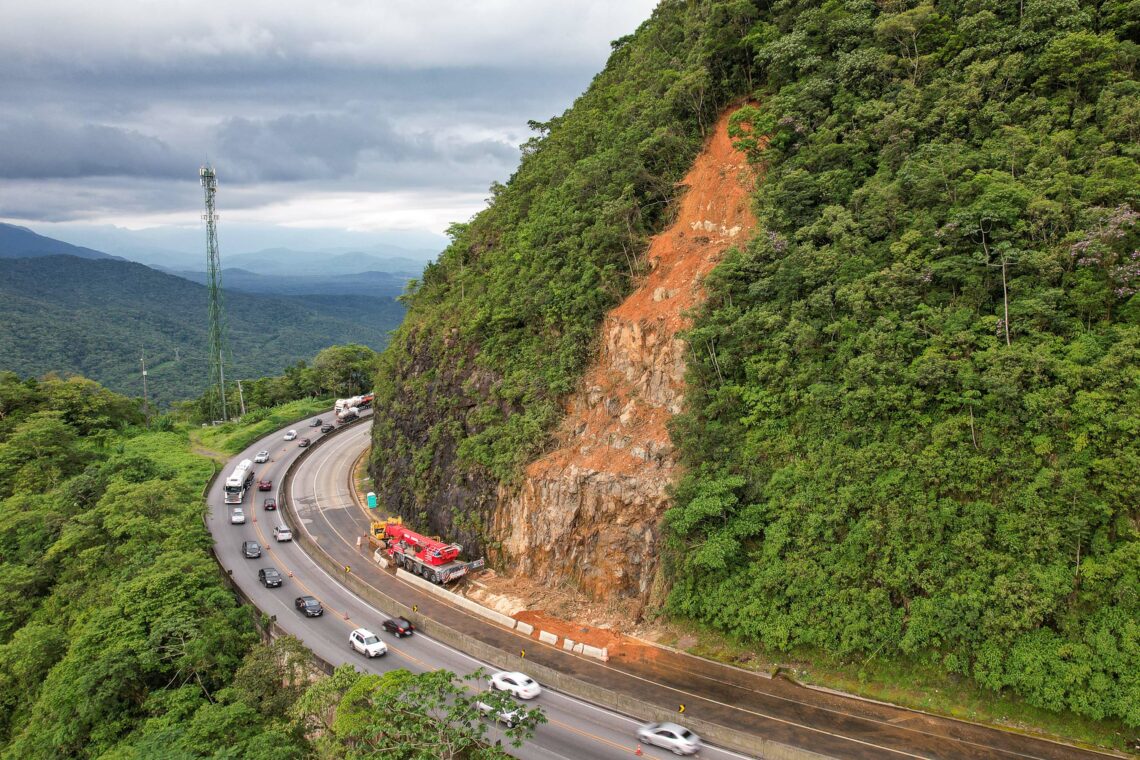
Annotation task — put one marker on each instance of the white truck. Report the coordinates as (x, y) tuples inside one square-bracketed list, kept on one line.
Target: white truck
[(347, 409)]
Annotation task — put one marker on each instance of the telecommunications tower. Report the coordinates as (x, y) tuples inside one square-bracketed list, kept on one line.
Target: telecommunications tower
[(218, 351)]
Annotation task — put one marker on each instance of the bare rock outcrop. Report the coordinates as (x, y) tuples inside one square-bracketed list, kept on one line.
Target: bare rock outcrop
[(589, 511)]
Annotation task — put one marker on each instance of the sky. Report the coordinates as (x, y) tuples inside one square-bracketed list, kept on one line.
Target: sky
[(331, 122)]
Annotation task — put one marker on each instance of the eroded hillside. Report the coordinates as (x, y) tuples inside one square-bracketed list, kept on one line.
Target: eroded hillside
[(589, 511)]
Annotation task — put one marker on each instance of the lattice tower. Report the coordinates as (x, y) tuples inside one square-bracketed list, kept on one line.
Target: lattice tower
[(218, 351)]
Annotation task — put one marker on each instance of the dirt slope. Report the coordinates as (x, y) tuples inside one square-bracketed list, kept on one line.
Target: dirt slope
[(588, 512)]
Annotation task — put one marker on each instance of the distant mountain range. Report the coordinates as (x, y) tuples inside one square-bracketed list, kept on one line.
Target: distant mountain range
[(376, 284), (97, 315), (20, 242)]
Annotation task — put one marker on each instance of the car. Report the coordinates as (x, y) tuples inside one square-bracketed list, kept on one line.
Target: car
[(290, 435), (399, 626), (265, 485), (251, 549), (367, 643), (282, 533), (262, 456), (270, 504), (520, 685), (328, 428), (677, 739), (237, 516), (310, 605), (269, 577), (507, 717), (317, 422), (303, 443)]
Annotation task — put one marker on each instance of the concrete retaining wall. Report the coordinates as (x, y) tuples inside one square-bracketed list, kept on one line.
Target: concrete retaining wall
[(459, 601)]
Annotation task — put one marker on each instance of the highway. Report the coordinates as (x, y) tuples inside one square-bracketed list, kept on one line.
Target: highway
[(576, 729), (321, 505)]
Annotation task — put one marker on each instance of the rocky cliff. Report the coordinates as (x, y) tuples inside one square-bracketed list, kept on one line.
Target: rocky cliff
[(589, 510)]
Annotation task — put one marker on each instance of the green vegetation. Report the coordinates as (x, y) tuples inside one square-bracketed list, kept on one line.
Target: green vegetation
[(118, 635), (96, 318), (428, 716), (918, 439), (119, 638), (337, 371)]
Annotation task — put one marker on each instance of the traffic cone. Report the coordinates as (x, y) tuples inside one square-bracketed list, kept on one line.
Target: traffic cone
[(638, 750)]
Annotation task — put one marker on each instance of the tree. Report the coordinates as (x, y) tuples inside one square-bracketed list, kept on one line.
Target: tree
[(426, 716)]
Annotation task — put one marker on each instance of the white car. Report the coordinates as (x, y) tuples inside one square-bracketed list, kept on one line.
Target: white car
[(262, 456), (290, 435), (677, 739), (237, 516), (282, 533), (367, 643), (507, 717), (520, 685)]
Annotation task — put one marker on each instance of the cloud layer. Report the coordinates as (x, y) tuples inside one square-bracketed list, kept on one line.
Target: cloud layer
[(345, 113)]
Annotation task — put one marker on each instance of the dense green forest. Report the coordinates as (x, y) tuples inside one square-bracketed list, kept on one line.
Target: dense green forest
[(922, 425), (917, 436), (96, 318), (120, 639)]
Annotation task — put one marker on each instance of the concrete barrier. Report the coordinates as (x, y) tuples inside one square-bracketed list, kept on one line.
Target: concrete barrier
[(525, 628), (602, 654), (568, 645), (459, 601), (547, 637)]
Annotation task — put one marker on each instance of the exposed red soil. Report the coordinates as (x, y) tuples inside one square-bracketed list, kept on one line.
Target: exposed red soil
[(713, 214)]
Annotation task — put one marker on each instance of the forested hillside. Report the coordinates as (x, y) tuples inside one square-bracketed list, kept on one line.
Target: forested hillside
[(913, 428), (119, 638), (96, 318), (921, 425)]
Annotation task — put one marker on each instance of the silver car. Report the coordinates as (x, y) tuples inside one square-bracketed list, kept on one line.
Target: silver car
[(677, 739)]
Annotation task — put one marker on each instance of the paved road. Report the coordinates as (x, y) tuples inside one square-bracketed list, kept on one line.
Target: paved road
[(576, 730)]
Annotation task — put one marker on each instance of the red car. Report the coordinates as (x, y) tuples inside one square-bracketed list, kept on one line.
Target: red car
[(265, 485), (270, 504)]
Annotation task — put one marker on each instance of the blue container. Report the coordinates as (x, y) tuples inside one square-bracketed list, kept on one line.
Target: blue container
[(371, 500)]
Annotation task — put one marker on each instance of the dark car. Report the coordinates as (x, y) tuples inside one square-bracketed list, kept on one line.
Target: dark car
[(265, 485), (303, 442), (251, 549), (309, 605), (316, 423), (270, 504), (269, 577), (399, 626), (328, 428)]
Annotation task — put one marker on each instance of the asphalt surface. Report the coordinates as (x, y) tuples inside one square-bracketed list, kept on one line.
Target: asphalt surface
[(575, 730), (772, 709)]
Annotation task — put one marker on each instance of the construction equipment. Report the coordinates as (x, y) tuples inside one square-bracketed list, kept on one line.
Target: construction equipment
[(430, 558)]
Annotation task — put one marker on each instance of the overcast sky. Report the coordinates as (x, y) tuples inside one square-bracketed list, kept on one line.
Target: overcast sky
[(340, 115)]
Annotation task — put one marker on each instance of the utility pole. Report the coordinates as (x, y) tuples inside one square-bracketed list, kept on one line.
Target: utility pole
[(241, 397), (146, 405), (217, 352)]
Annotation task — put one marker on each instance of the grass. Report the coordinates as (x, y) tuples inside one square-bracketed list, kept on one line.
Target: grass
[(231, 437), (907, 684)]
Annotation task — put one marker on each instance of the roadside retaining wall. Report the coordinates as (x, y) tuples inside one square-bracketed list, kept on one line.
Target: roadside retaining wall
[(460, 601)]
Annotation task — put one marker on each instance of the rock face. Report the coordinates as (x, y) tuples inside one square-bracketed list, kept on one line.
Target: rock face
[(589, 511)]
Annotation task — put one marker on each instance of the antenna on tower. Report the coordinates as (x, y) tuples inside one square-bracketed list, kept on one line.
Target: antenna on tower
[(218, 350)]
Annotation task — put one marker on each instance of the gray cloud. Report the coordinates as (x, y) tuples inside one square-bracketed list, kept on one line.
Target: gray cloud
[(108, 110)]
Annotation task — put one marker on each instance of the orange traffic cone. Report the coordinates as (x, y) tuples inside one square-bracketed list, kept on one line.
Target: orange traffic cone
[(638, 750)]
